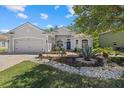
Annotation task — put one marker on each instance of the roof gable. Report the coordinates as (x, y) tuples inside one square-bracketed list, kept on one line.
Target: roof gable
[(63, 31), (24, 25)]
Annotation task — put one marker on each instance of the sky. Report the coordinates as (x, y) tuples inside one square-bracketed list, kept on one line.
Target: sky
[(43, 16)]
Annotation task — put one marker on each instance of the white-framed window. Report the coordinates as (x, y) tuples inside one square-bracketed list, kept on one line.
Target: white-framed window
[(3, 43), (76, 42), (60, 43), (84, 43)]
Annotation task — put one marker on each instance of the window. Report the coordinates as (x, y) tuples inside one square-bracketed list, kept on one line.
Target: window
[(76, 42), (84, 43), (68, 40), (3, 44), (60, 43)]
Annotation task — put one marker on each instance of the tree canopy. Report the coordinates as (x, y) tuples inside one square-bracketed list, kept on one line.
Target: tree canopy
[(101, 18), (97, 19)]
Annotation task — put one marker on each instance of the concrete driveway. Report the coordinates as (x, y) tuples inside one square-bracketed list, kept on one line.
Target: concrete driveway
[(7, 61)]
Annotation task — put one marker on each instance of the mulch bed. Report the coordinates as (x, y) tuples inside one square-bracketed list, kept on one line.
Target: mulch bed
[(72, 62)]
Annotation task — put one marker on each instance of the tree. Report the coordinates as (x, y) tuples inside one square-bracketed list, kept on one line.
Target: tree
[(55, 27), (51, 29), (96, 19)]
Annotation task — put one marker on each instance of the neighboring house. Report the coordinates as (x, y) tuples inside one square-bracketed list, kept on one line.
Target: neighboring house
[(112, 39), (28, 38), (3, 41)]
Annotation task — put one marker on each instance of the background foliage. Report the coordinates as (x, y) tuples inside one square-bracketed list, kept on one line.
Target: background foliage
[(94, 20)]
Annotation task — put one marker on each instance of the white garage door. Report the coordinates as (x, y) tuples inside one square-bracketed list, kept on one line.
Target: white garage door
[(28, 45)]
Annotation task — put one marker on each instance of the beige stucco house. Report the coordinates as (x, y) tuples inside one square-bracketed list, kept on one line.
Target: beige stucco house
[(29, 38), (112, 39)]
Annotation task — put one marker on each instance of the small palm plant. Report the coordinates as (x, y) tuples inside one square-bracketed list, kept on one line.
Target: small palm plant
[(87, 52)]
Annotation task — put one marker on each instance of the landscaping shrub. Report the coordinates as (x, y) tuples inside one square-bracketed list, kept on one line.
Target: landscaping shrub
[(99, 61), (105, 55), (62, 51), (87, 52), (78, 50), (118, 60), (108, 50)]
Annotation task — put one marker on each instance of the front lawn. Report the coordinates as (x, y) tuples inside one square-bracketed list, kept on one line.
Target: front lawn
[(29, 74)]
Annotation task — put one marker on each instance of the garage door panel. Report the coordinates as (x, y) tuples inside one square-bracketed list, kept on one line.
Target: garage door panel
[(28, 45)]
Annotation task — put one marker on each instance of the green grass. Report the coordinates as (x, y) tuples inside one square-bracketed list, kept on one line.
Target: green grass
[(29, 74), (3, 49)]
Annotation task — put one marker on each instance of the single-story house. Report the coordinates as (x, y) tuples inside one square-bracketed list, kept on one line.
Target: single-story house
[(3, 41), (29, 38), (112, 39)]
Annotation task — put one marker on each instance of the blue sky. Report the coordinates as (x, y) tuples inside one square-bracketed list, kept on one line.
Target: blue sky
[(44, 16)]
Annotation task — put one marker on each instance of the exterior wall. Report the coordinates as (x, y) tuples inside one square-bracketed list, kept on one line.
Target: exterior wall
[(79, 45), (27, 30), (90, 42), (73, 41), (108, 39), (63, 34), (64, 38)]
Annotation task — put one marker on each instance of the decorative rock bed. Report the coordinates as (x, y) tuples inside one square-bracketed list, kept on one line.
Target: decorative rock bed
[(109, 72)]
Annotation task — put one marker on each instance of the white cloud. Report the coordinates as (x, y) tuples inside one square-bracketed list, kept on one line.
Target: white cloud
[(60, 26), (70, 9), (68, 16), (21, 15), (56, 7), (49, 26), (15, 8), (44, 16), (4, 30)]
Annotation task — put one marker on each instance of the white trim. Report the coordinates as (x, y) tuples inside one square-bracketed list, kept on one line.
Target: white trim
[(13, 46)]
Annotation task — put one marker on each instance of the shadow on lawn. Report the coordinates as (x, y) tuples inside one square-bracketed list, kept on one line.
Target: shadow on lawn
[(45, 76)]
